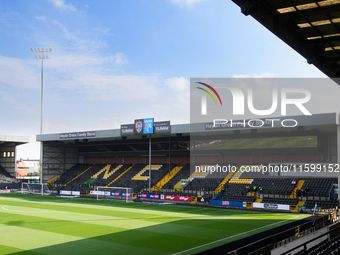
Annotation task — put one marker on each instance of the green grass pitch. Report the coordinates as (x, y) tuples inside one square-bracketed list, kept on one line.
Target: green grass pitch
[(33, 224)]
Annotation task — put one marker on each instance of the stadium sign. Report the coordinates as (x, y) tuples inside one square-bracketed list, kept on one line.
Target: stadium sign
[(127, 129), (148, 126), (145, 127), (138, 127), (162, 127), (78, 135), (270, 206), (226, 203), (165, 197)]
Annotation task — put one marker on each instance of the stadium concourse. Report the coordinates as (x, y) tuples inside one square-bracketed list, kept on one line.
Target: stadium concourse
[(283, 168)]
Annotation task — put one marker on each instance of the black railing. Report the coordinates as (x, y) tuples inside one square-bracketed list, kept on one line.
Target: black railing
[(265, 245)]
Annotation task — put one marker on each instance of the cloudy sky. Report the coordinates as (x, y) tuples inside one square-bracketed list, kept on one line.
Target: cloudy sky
[(114, 61)]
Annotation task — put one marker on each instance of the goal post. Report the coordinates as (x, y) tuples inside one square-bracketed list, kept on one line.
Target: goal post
[(35, 188), (117, 193)]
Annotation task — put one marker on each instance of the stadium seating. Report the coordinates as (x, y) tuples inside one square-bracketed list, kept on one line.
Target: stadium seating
[(318, 187), (3, 172), (203, 184), (275, 185), (139, 184), (166, 178), (222, 186), (326, 247), (323, 204), (235, 192), (284, 201), (7, 181), (84, 176), (69, 175), (112, 174), (184, 173)]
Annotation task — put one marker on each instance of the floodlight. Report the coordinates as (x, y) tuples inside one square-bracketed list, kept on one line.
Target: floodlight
[(42, 57)]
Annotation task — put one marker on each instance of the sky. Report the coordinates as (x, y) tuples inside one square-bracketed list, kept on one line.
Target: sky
[(113, 61)]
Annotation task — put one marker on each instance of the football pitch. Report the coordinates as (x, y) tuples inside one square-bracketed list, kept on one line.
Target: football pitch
[(33, 224)]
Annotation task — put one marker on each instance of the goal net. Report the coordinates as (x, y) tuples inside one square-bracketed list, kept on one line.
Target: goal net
[(35, 188), (117, 193)]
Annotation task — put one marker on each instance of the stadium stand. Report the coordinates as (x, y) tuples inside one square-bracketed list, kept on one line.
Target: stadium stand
[(275, 185), (107, 176), (184, 173), (318, 187), (7, 181), (138, 184), (323, 204), (247, 186), (235, 192), (4, 172), (284, 201), (166, 178), (232, 186), (329, 247), (70, 174), (203, 184), (80, 182)]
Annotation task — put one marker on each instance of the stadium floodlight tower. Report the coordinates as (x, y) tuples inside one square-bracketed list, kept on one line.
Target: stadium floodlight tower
[(40, 53)]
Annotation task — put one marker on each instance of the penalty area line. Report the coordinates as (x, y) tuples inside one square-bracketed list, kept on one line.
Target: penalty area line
[(229, 237)]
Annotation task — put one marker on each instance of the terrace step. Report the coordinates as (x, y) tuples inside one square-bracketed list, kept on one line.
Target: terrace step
[(108, 173), (221, 185), (119, 176), (145, 177), (258, 200), (301, 203), (298, 186), (107, 167), (166, 178), (51, 180), (77, 176)]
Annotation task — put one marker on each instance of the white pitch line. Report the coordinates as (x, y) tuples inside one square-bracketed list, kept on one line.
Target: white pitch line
[(23, 211), (226, 238), (138, 219), (174, 213)]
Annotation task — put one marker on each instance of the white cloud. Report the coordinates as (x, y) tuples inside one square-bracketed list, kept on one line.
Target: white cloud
[(105, 87), (89, 72), (16, 72), (186, 2), (41, 18), (85, 86), (178, 84), (63, 6), (261, 75)]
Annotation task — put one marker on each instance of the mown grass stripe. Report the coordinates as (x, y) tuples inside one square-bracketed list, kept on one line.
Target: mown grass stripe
[(120, 228), (53, 243)]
